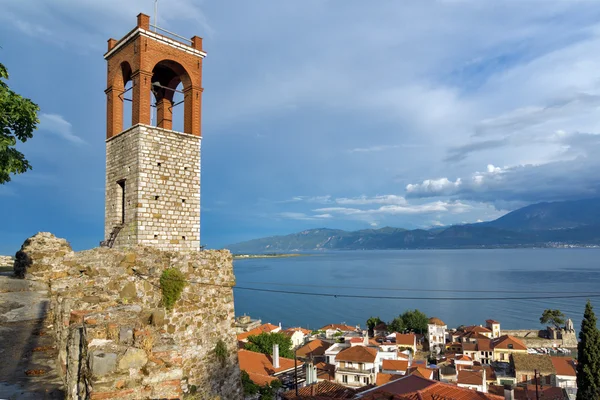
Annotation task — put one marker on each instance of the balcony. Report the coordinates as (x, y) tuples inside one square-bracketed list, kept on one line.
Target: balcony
[(356, 370)]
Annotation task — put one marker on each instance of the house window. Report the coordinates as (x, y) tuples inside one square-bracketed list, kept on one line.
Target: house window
[(510, 346), (361, 366), (356, 378), (366, 380), (502, 356), (547, 379), (524, 378), (344, 378), (349, 364)]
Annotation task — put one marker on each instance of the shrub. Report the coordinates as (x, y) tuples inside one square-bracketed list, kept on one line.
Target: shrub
[(172, 283), (221, 351)]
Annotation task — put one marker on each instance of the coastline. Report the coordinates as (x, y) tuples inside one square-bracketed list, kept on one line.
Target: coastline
[(270, 255)]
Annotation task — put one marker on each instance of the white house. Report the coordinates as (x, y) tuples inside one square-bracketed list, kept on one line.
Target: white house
[(298, 335), (462, 361), (494, 326), (333, 351), (356, 366), (474, 380), (436, 333), (566, 376), (333, 330), (406, 340)]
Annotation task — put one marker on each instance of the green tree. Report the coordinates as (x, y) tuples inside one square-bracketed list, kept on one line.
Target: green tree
[(396, 325), (554, 317), (415, 321), (588, 357), (250, 388), (372, 323), (18, 120), (264, 342)]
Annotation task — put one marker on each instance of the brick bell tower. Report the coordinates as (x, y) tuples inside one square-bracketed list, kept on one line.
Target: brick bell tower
[(152, 171)]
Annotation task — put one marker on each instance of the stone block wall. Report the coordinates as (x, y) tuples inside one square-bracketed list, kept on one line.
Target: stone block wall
[(115, 338), (161, 169)]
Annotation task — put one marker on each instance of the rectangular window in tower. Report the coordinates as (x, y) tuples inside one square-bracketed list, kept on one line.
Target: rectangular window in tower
[(121, 184)]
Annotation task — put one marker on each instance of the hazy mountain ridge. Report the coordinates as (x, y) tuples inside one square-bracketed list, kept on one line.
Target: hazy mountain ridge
[(538, 225)]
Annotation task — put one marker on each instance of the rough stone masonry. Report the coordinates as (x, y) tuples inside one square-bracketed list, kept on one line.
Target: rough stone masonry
[(115, 339)]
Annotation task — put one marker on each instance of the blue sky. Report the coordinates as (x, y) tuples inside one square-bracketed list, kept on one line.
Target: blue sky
[(342, 114)]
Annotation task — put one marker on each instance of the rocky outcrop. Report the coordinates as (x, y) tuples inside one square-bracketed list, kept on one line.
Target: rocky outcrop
[(114, 337)]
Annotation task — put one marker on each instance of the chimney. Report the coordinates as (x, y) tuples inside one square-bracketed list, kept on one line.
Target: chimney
[(509, 392), (280, 325), (275, 356), (311, 375), (485, 390)]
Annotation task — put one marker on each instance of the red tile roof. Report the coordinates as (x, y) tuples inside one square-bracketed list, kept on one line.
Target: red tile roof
[(564, 366), (322, 389), (467, 377), (490, 374), (503, 341), (261, 365), (383, 378), (423, 372), (477, 329), (462, 357), (341, 327), (491, 321), (406, 339), (380, 327), (358, 354), (395, 365), (291, 331), (315, 348), (325, 371), (436, 321), (356, 340), (413, 387), (265, 328)]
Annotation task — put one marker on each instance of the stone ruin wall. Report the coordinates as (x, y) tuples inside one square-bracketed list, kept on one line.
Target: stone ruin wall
[(542, 338), (114, 337)]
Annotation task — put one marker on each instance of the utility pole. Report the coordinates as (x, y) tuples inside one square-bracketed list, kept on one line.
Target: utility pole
[(537, 394), (296, 371)]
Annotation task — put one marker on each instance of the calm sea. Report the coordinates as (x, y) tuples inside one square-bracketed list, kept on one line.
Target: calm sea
[(421, 275)]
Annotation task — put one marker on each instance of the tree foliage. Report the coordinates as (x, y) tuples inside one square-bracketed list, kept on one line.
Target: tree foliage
[(588, 357), (373, 322), (18, 120), (264, 342), (250, 387), (554, 317), (415, 321), (396, 325), (266, 392)]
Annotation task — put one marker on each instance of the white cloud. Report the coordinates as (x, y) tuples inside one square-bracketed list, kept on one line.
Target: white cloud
[(454, 207), (438, 187), (363, 200), (57, 125)]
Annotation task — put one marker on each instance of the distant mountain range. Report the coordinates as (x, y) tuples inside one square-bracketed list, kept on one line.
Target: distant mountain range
[(556, 224)]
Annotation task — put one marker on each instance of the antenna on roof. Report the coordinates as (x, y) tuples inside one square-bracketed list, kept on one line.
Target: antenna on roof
[(155, 15)]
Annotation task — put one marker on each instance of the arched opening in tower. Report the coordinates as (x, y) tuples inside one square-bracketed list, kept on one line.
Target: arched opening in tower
[(170, 81)]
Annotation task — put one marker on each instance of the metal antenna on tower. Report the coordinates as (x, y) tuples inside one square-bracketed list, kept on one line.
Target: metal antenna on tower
[(155, 15)]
